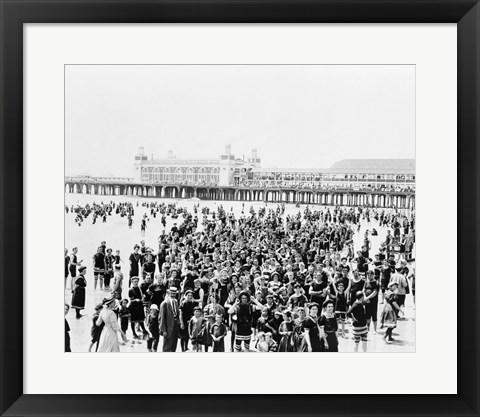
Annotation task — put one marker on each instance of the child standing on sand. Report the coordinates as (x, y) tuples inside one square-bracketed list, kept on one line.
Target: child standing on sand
[(218, 331), (196, 327)]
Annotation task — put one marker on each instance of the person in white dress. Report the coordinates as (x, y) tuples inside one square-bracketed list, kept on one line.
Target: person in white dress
[(109, 337)]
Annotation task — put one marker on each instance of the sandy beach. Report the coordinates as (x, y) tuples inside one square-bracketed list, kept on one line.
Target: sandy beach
[(118, 236)]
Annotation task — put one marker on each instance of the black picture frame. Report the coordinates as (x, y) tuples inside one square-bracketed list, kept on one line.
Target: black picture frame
[(14, 13)]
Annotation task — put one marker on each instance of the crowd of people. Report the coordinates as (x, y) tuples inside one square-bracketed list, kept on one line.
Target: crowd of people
[(265, 281), (321, 186)]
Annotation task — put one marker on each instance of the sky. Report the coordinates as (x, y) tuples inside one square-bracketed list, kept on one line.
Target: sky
[(296, 116)]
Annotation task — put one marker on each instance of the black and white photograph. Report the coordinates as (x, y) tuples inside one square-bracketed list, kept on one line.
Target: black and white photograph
[(239, 208)]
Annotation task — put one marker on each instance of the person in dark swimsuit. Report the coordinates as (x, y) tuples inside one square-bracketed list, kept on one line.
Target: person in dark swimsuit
[(186, 313), (356, 284), (286, 332), (243, 309), (371, 300), (67, 330), (312, 330), (109, 261), (74, 263), (99, 267), (67, 263), (134, 260), (328, 323), (359, 325), (78, 298), (136, 308)]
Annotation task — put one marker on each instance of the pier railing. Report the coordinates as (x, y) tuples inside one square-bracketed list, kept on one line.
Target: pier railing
[(242, 185), (303, 194)]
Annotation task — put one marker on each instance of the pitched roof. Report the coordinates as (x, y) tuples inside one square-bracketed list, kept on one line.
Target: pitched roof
[(374, 165)]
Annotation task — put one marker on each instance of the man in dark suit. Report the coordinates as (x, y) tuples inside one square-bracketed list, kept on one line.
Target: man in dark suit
[(169, 321)]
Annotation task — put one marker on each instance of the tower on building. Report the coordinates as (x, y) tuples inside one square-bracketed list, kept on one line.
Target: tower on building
[(140, 158), (227, 167), (254, 159), (227, 156)]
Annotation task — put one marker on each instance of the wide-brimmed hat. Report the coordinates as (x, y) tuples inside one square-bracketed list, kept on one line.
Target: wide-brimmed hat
[(173, 290), (109, 300), (153, 307)]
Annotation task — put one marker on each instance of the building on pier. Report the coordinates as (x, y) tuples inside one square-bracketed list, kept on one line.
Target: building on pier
[(372, 173), (227, 170), (351, 182), (224, 170), (356, 174)]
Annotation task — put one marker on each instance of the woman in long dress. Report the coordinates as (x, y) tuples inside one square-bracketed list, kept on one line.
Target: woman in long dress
[(109, 337), (78, 298)]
